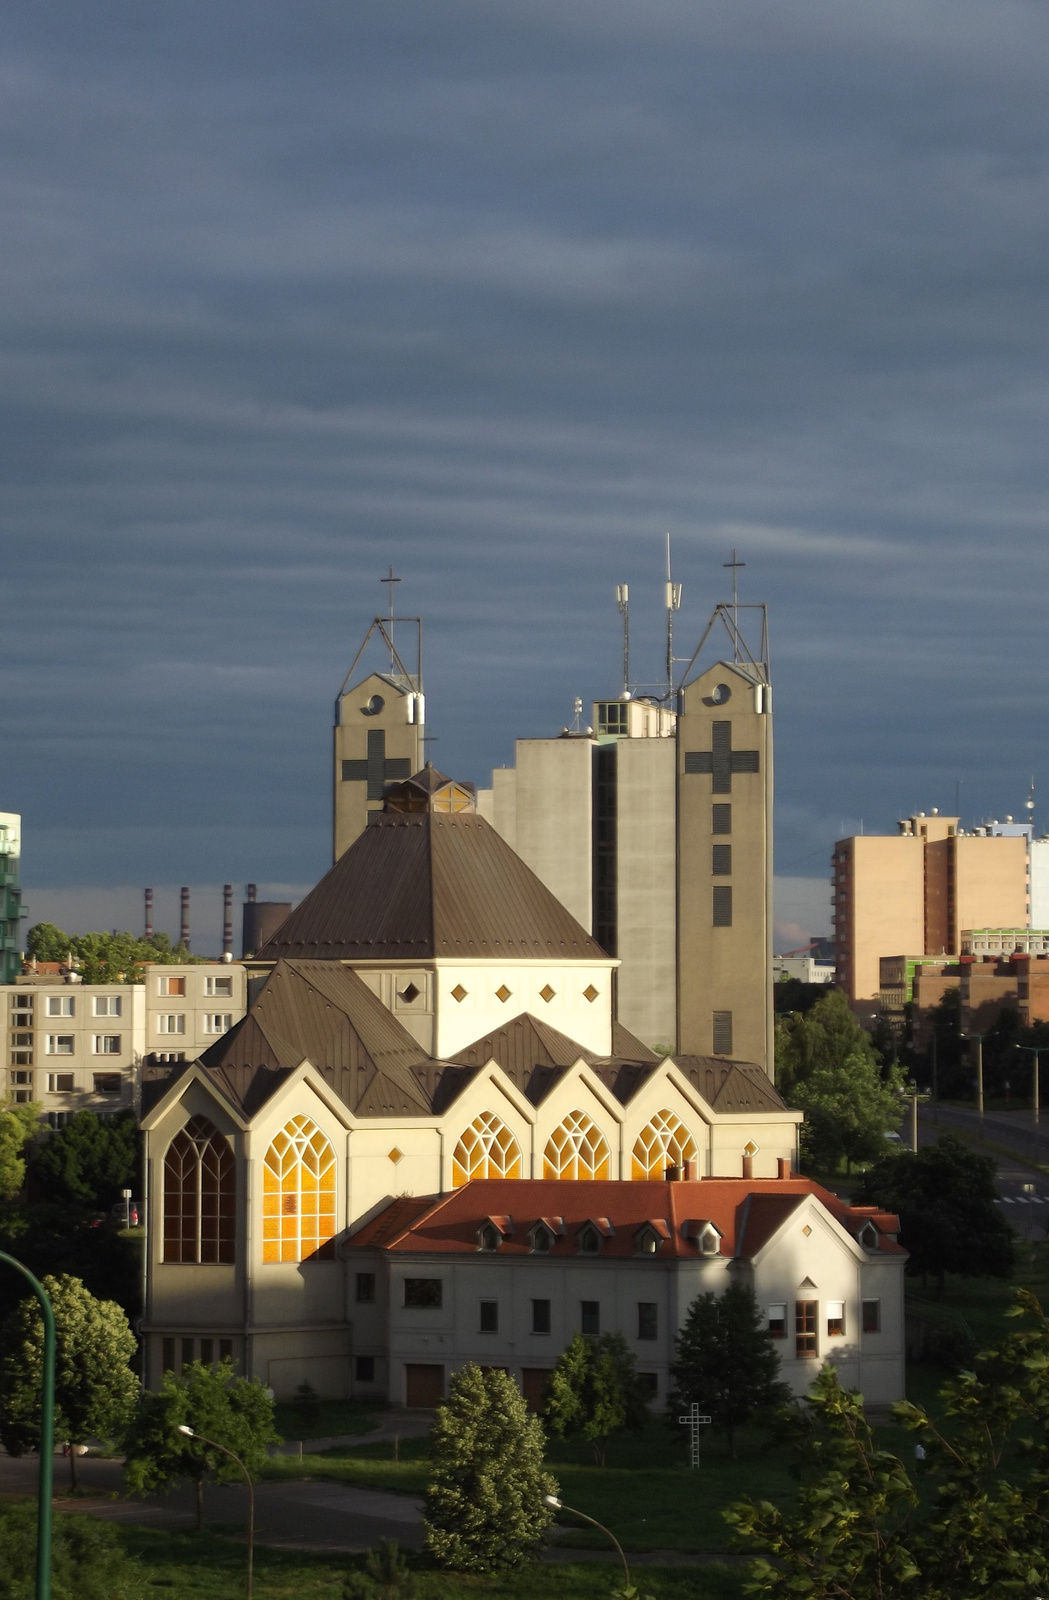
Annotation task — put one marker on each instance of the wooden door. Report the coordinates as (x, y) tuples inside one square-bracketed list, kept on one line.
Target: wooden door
[(423, 1386), (533, 1386)]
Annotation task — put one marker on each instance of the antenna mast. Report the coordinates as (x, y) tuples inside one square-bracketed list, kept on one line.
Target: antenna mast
[(623, 597), (735, 566), (390, 579), (673, 598)]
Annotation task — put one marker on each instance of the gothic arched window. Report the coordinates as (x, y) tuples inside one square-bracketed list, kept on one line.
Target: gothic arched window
[(487, 1149), (665, 1142), (577, 1149), (298, 1195), (200, 1195)]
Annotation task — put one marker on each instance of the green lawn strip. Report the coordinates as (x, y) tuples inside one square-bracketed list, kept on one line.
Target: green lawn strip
[(206, 1567), (325, 1420)]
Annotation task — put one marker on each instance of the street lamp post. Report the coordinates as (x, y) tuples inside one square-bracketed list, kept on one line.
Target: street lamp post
[(559, 1505), (192, 1434), (47, 1433), (1035, 1052), (979, 1072)]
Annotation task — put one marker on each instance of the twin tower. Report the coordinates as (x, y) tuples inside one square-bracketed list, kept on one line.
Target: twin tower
[(653, 828)]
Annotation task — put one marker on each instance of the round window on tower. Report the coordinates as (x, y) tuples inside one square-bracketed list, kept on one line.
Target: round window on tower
[(374, 706), (721, 693)]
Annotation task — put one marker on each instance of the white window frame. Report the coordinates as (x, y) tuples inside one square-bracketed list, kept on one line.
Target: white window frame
[(108, 1044), (57, 1041), (52, 1083), (218, 1021), (778, 1313), (61, 1005), (108, 1005), (834, 1311), (166, 993), (172, 1022), (212, 989)]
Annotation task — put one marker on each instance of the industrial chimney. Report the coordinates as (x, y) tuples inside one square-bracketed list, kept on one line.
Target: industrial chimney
[(149, 914), (227, 919), (183, 934)]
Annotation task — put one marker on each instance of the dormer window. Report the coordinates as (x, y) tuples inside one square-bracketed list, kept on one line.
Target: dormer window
[(542, 1240), (589, 1240), (647, 1243), (707, 1237), (868, 1236), (650, 1236), (489, 1237)]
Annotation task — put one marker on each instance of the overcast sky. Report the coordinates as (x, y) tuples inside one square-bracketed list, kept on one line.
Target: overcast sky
[(501, 293)]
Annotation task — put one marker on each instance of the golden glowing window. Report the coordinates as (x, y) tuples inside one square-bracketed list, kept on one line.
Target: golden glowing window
[(665, 1142), (298, 1195), (486, 1150), (577, 1149), (546, 993), (459, 993)]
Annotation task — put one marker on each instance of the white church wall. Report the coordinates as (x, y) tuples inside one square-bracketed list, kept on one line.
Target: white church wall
[(462, 1021), (579, 1091), (731, 1132), (489, 1093), (389, 1157)]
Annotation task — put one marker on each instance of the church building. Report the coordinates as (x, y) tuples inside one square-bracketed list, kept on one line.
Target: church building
[(430, 1140)]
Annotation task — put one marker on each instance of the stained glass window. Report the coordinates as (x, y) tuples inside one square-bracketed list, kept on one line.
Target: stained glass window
[(298, 1195)]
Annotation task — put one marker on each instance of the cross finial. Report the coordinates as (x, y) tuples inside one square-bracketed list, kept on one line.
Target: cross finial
[(735, 565), (390, 579)]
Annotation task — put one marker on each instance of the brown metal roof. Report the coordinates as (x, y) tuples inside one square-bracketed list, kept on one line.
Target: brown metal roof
[(730, 1085), (530, 1052), (321, 1012), (413, 886)]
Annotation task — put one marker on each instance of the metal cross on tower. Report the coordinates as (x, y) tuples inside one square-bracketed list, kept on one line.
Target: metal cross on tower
[(735, 566), (390, 579), (693, 1420)]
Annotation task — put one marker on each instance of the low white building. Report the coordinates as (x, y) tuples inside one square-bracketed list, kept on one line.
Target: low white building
[(504, 1273)]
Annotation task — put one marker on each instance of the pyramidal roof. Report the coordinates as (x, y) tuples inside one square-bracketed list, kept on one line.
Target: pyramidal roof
[(425, 884)]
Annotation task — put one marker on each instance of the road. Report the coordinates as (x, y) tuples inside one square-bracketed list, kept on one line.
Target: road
[(1023, 1189)]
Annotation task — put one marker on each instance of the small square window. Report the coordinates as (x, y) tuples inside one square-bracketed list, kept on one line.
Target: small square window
[(409, 993), (722, 905), (218, 1022), (547, 993), (423, 1293), (459, 993), (60, 1005), (721, 860), (503, 993), (60, 1044), (171, 986), (590, 993), (590, 1318), (647, 1319), (872, 1316), (107, 1044), (835, 1319), (171, 1023), (364, 1369), (721, 818), (489, 1322), (219, 986), (540, 1316), (365, 1288), (107, 1005)]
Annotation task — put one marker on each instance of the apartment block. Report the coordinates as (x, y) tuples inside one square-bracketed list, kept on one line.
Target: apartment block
[(189, 1007), (10, 895)]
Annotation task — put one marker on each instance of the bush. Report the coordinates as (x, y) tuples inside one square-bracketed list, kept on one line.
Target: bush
[(87, 1558)]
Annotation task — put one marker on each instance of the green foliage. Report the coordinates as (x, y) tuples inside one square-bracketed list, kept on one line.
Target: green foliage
[(230, 1411), (484, 1505), (726, 1362), (859, 1529), (89, 1161), (87, 1558), (848, 1111), (386, 1576), (17, 1126), (95, 1389), (54, 1239), (945, 1195), (822, 1040), (105, 957), (595, 1391)]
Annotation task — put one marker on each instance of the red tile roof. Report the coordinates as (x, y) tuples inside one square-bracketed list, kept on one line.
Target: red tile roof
[(746, 1212)]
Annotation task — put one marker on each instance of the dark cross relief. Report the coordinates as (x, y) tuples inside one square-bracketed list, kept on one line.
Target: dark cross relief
[(377, 770), (722, 761)]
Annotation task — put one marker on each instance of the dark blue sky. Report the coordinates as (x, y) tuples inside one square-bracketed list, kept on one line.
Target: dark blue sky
[(502, 293)]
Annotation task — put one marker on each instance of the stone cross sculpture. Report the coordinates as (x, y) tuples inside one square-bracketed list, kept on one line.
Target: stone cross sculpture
[(693, 1420)]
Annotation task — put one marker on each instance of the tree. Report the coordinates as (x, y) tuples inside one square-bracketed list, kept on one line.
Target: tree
[(848, 1111), (89, 1161), (945, 1195), (87, 1558), (17, 1126), (725, 1360), (858, 1529), (386, 1576), (484, 1505), (595, 1391), (822, 1040), (105, 957), (55, 1239), (95, 1389), (231, 1411)]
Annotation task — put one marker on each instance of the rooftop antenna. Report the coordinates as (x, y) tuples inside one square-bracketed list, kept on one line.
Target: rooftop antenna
[(673, 599), (623, 597), (735, 566), (390, 579), (1029, 804)]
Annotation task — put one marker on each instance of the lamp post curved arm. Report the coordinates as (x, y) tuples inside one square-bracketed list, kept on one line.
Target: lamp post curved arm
[(47, 1432), (559, 1505), (213, 1444)]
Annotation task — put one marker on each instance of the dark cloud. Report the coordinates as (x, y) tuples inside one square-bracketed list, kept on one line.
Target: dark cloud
[(502, 294)]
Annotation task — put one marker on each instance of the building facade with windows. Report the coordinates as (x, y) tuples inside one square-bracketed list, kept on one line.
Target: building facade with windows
[(10, 895), (353, 1096), (191, 1005)]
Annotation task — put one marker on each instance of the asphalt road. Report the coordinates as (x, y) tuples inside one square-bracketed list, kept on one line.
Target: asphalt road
[(1023, 1190)]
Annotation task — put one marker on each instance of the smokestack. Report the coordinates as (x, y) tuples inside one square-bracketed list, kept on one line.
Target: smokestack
[(149, 914), (227, 919), (253, 894), (183, 934), (784, 1166), (748, 1166)]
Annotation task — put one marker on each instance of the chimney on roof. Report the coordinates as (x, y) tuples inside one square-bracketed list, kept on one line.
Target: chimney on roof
[(673, 1174), (783, 1165), (692, 1170), (227, 919), (748, 1166), (183, 932)]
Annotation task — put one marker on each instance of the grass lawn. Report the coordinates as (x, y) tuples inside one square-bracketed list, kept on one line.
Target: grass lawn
[(324, 1419), (203, 1567)]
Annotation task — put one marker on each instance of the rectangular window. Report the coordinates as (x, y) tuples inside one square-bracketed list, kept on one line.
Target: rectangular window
[(25, 1078), (365, 1288), (723, 905), (721, 860), (167, 1356), (424, 1293), (647, 1319), (805, 1328), (22, 1002), (171, 1024), (171, 986), (721, 818), (218, 1022), (22, 1097), (107, 1005), (722, 1033), (872, 1316), (649, 1383), (187, 1352), (590, 1318), (611, 716), (207, 1352), (60, 1044), (107, 1082), (540, 1316), (60, 1083), (24, 1041), (60, 1005), (489, 1322), (835, 1319), (107, 1044), (364, 1369), (225, 1349), (21, 1058), (219, 986), (777, 1322)]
